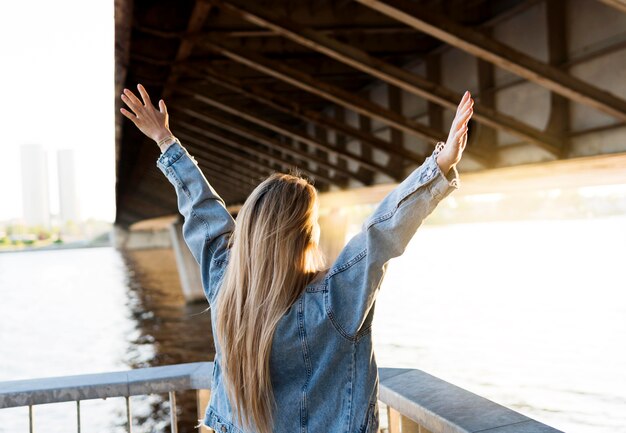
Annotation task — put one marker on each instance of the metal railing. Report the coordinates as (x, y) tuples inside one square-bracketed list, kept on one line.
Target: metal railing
[(415, 402), (143, 381)]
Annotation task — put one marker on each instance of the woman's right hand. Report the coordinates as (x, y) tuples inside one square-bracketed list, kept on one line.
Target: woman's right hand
[(152, 122)]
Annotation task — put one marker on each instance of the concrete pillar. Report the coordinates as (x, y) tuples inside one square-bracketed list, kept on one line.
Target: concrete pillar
[(147, 239), (188, 268), (119, 236)]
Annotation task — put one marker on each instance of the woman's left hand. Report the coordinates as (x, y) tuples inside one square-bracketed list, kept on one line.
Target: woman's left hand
[(451, 153), (152, 122)]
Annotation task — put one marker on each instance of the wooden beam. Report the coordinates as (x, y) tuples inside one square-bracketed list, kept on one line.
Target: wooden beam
[(433, 74), (387, 72), (154, 195), (556, 26), (207, 148), (249, 175), (217, 164), (293, 108), (322, 136), (262, 170), (245, 152), (289, 132), (242, 131), (486, 136), (394, 102), (260, 33), (166, 193), (365, 125), (250, 141), (620, 5), (324, 90), (231, 173), (197, 18), (340, 139), (502, 55), (300, 157)]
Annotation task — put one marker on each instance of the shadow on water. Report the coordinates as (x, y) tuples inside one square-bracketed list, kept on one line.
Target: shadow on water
[(169, 331)]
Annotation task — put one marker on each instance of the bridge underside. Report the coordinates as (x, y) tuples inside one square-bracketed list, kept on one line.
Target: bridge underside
[(356, 93)]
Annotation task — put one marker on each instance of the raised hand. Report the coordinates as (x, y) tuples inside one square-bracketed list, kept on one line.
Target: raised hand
[(451, 153), (152, 122)]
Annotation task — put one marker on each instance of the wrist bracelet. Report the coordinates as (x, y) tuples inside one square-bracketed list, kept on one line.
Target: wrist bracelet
[(165, 141), (439, 147)]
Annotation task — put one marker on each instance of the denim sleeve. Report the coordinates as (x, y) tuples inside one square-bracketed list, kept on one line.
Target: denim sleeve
[(207, 224), (353, 280)]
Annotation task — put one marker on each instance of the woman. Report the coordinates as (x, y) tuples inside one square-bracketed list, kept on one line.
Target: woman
[(293, 340)]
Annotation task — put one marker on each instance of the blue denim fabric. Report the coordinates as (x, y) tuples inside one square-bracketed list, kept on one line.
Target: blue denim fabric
[(322, 364)]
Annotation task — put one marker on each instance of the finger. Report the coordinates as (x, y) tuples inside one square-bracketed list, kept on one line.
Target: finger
[(464, 117), (129, 104), (468, 104), (144, 95), (464, 99), (459, 134), (162, 107), (463, 111), (128, 114), (134, 101)]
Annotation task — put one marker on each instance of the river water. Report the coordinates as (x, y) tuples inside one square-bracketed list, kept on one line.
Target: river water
[(529, 314)]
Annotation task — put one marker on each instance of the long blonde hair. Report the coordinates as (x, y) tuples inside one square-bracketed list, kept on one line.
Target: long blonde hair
[(273, 257)]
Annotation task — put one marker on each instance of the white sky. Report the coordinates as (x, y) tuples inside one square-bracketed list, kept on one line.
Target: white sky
[(56, 73)]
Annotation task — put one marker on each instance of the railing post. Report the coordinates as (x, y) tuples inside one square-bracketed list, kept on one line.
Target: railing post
[(409, 426), (399, 423), (129, 420), (30, 418), (393, 419), (173, 417), (202, 400), (78, 416)]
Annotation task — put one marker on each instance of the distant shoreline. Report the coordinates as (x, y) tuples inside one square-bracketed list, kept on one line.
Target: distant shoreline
[(52, 248)]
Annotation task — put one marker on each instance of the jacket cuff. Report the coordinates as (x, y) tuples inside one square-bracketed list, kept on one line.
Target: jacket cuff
[(442, 185), (172, 154)]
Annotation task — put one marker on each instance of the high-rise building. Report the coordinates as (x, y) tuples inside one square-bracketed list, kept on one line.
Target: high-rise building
[(68, 200), (35, 200)]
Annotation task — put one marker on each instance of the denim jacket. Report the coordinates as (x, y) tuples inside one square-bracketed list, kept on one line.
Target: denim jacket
[(322, 364)]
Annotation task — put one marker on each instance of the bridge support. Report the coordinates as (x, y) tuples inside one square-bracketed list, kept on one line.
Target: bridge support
[(188, 268)]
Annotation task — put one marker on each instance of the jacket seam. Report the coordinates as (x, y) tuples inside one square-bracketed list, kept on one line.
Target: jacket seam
[(352, 380), (307, 365), (363, 332), (346, 265), (207, 238), (333, 320), (410, 191)]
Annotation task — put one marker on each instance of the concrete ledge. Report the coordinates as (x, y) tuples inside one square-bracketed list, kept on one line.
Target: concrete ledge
[(178, 377), (442, 407), (435, 404)]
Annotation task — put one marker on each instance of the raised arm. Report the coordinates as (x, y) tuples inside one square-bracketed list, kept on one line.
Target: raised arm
[(353, 281), (207, 224)]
